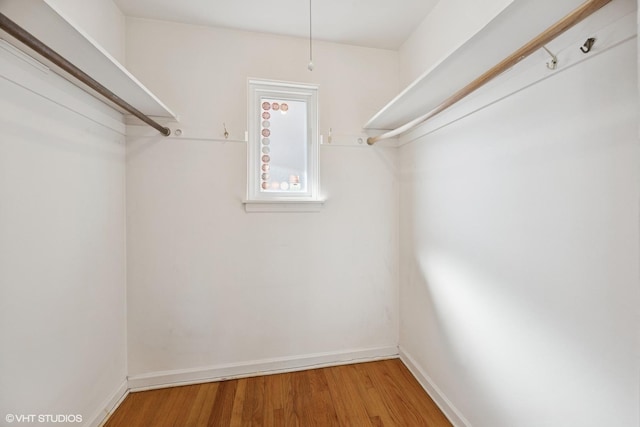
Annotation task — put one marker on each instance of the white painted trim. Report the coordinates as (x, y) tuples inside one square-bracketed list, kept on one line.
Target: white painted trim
[(138, 130), (277, 84), (353, 140), (283, 205), (257, 91), (109, 406), (180, 377), (445, 405)]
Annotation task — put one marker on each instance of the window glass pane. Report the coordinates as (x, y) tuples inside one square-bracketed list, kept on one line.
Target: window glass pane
[(283, 145)]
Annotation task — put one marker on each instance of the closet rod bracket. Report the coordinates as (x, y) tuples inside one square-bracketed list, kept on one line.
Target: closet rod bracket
[(553, 64)]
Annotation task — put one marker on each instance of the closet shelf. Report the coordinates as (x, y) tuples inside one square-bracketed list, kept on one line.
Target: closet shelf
[(44, 21), (518, 23)]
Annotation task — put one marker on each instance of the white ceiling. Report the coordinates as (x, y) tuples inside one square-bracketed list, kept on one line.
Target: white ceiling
[(372, 23)]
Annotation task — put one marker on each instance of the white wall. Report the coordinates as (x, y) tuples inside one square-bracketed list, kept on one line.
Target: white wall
[(447, 27), (210, 285), (519, 252), (62, 247), (100, 19)]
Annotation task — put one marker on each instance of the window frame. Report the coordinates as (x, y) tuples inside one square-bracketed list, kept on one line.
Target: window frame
[(257, 90)]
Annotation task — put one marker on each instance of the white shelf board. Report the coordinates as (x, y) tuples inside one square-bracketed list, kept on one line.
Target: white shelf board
[(49, 25), (515, 26)]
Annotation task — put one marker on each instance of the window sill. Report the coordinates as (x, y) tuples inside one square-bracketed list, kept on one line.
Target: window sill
[(283, 205)]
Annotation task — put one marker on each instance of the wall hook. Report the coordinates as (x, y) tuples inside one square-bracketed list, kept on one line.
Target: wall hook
[(330, 136), (226, 133), (553, 64), (586, 48)]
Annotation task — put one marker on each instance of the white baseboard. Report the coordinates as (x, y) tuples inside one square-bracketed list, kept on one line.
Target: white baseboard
[(445, 405), (109, 406), (254, 368), (180, 377)]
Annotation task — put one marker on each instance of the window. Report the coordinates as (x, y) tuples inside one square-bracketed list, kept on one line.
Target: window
[(283, 146)]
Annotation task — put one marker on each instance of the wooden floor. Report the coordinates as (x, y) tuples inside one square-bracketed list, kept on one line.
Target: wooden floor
[(368, 394)]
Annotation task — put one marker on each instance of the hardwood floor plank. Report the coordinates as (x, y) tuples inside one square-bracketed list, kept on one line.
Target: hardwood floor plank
[(238, 403), (411, 392), (376, 422), (301, 395), (157, 411), (179, 404), (389, 377), (324, 411), (148, 404), (346, 399), (279, 419), (223, 404), (291, 418), (274, 401), (374, 399), (371, 398), (376, 394), (198, 404), (204, 412), (253, 413), (125, 407)]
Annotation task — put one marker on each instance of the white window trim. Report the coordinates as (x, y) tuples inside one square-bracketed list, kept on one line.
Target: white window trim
[(283, 205), (258, 201)]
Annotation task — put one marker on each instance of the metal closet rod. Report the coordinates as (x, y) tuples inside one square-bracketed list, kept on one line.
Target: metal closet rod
[(579, 14), (28, 39)]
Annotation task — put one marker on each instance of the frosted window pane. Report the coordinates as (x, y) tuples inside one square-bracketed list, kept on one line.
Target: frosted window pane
[(284, 145)]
